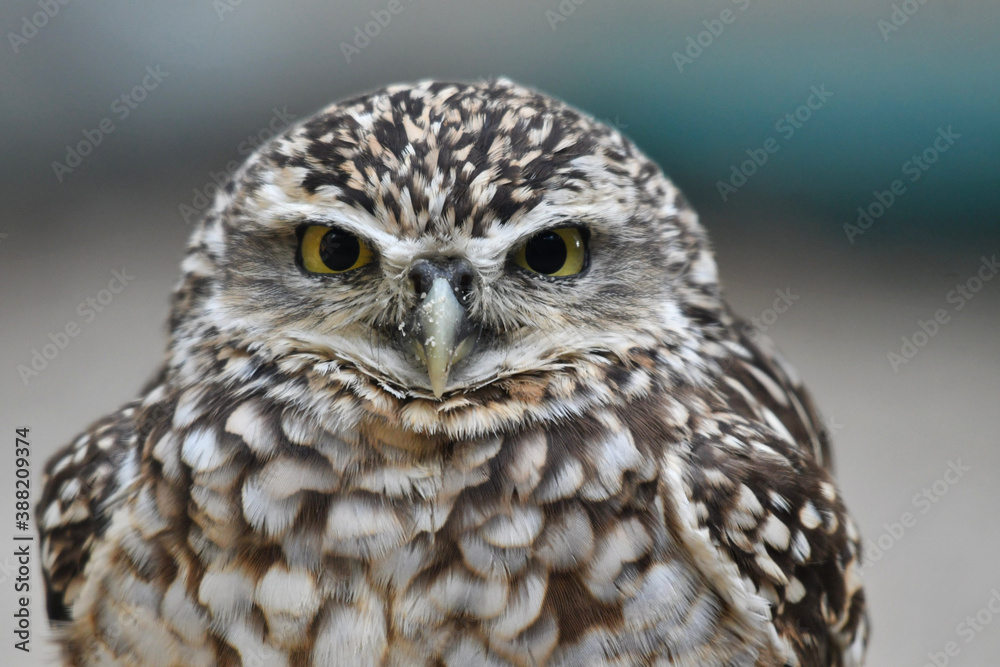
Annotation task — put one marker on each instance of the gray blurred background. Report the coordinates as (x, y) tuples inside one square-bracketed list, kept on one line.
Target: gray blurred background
[(697, 85)]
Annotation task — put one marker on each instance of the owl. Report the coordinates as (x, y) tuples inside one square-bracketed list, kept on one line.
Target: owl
[(450, 381)]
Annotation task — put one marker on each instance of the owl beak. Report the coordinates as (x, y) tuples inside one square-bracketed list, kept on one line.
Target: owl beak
[(440, 323), (441, 327)]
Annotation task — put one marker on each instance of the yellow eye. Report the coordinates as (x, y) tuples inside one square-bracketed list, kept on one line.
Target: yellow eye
[(332, 250), (554, 252)]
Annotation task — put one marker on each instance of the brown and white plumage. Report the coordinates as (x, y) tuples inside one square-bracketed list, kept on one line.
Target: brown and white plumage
[(613, 475)]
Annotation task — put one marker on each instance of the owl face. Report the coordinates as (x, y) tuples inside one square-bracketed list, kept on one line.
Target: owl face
[(440, 237)]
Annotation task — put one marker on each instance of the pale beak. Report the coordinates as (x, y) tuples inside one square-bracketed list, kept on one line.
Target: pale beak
[(442, 333)]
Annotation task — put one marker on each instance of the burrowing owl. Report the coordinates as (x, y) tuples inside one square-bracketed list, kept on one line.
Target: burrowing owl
[(450, 382)]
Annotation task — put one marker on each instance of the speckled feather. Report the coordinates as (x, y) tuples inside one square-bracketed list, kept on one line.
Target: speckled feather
[(615, 477)]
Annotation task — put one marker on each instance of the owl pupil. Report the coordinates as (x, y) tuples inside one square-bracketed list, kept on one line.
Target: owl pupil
[(546, 253), (339, 250)]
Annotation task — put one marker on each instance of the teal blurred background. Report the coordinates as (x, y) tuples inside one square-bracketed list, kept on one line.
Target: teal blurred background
[(893, 85), (702, 87)]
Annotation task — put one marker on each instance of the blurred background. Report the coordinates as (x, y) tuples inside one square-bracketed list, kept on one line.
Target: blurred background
[(844, 157)]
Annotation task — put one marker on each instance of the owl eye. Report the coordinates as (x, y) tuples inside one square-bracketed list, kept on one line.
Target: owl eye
[(332, 250), (554, 252)]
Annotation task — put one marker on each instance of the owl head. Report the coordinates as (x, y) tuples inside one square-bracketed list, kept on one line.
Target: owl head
[(436, 239)]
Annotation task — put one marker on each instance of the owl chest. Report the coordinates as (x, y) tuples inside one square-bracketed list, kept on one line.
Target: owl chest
[(501, 548)]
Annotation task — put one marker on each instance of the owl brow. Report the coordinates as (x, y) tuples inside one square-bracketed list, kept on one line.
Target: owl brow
[(527, 230), (363, 230)]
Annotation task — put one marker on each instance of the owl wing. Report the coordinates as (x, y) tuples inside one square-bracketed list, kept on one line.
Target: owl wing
[(768, 499), (81, 485)]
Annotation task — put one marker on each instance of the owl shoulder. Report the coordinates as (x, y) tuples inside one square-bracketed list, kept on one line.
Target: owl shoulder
[(81, 485)]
